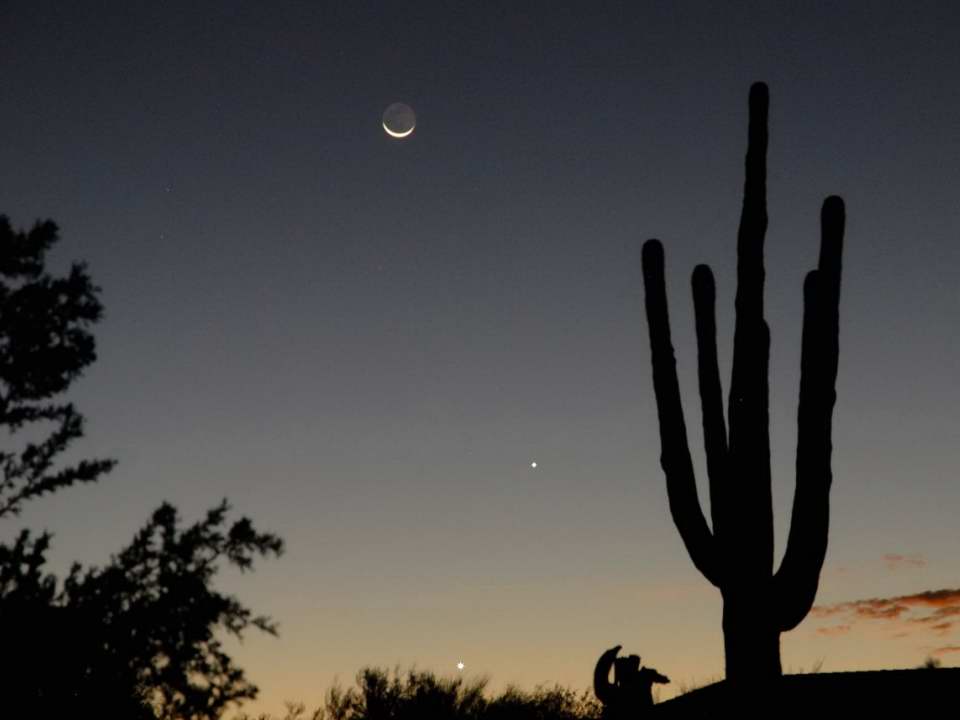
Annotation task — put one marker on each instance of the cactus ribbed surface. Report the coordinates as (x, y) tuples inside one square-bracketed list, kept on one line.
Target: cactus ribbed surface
[(736, 553)]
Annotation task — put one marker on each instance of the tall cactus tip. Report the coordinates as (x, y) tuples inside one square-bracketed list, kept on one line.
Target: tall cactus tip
[(759, 92), (833, 204), (702, 275), (652, 251)]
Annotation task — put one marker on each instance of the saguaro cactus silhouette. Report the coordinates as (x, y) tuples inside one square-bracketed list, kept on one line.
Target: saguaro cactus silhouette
[(736, 554)]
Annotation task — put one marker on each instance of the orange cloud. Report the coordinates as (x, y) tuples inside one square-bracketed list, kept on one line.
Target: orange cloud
[(934, 598), (880, 613), (937, 608), (825, 611), (895, 562), (942, 599), (947, 649), (938, 615), (834, 630)]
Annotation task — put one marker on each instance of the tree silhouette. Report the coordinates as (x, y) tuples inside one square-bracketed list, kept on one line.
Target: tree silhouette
[(136, 636), (44, 346), (135, 639), (736, 555)]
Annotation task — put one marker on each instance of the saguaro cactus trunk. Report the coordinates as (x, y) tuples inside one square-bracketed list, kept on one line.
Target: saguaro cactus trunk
[(736, 553)]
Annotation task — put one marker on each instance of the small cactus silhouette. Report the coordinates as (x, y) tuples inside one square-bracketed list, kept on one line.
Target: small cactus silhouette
[(630, 694), (736, 554)]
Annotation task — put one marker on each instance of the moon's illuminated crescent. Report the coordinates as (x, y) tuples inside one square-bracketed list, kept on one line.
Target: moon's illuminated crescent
[(391, 133), (399, 120)]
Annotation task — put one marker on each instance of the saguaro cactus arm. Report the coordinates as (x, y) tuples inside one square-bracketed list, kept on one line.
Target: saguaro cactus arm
[(749, 439), (711, 397), (674, 450), (750, 347), (795, 584), (602, 687)]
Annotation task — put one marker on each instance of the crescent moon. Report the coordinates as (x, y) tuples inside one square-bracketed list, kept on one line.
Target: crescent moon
[(395, 134)]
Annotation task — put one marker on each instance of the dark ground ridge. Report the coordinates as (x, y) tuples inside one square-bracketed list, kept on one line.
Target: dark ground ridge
[(880, 693)]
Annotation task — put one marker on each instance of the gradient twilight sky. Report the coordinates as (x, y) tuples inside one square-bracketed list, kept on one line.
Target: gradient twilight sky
[(363, 343)]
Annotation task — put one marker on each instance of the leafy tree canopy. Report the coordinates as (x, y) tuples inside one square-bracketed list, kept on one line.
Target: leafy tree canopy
[(136, 635), (136, 638), (45, 344)]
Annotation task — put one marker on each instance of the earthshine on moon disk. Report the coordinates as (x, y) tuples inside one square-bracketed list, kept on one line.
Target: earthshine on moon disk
[(399, 120)]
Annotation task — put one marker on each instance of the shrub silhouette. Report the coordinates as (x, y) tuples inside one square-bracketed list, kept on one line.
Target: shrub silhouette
[(737, 554), (378, 696)]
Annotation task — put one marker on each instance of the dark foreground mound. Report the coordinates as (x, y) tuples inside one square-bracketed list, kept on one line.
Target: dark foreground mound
[(876, 694)]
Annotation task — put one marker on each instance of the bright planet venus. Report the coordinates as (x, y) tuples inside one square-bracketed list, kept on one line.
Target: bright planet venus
[(399, 120)]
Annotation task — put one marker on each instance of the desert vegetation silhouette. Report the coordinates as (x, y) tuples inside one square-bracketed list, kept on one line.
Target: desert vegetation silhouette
[(630, 694), (736, 553), (134, 639), (417, 695)]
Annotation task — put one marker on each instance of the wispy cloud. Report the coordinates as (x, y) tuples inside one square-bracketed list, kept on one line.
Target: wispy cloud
[(946, 601), (834, 630), (937, 616), (947, 650), (928, 611), (896, 562)]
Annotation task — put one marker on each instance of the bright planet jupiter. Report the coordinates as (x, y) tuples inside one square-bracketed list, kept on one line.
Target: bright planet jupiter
[(399, 120)]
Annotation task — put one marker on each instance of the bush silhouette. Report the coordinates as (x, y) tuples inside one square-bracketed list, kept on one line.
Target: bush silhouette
[(420, 695)]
